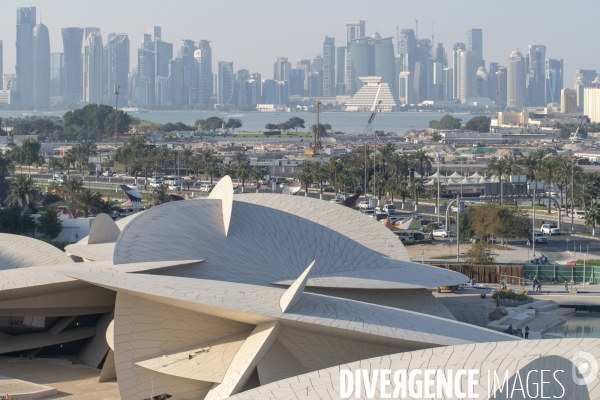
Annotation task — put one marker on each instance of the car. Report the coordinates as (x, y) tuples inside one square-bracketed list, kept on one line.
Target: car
[(404, 236), (364, 205), (390, 209), (206, 187), (441, 233), (59, 175), (393, 220), (175, 187), (550, 229), (369, 213), (107, 174), (236, 191), (380, 216), (578, 214), (419, 217), (156, 184), (455, 208), (491, 240), (418, 236), (56, 180), (336, 201), (539, 237)]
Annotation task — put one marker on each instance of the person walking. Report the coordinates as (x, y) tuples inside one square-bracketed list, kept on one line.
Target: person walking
[(539, 286), (527, 332), (510, 329), (533, 284)]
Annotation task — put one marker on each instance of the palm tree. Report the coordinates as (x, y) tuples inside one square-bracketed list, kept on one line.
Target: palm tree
[(160, 195), (421, 161), (68, 159), (377, 182), (85, 201), (403, 190), (385, 156), (334, 166), (257, 173), (432, 191), (72, 185), (502, 167), (563, 173), (415, 189), (206, 157), (344, 179), (586, 187), (547, 173), (6, 167), (212, 168), (530, 166), (108, 206), (592, 216), (22, 191), (306, 175), (54, 164), (320, 175), (391, 188), (242, 173), (399, 165)]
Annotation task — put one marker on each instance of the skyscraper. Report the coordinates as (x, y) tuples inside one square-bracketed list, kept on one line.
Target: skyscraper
[(56, 74), (188, 72), (118, 69), (296, 87), (516, 75), (40, 66), (304, 64), (475, 44), (225, 83), (493, 82), (467, 65), (146, 72), (329, 67), (355, 29), (568, 101), (502, 86), (72, 69), (340, 70), (1, 65), (176, 81), (554, 80), (26, 18), (93, 79), (583, 79), (164, 54), (456, 49), (447, 77), (372, 56), (281, 68), (407, 49), (204, 74), (536, 93)]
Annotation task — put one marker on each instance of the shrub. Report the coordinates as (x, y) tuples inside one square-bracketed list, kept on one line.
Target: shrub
[(496, 314), (509, 294), (480, 253)]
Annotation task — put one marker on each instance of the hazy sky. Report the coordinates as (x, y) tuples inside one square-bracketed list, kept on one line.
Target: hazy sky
[(252, 33)]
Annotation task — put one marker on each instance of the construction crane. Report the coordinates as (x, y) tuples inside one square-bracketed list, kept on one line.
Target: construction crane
[(317, 146), (575, 135), (366, 133)]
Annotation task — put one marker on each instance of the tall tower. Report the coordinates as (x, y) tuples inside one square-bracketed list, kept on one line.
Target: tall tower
[(456, 49), (475, 44), (41, 66), (407, 49), (329, 67), (281, 68), (516, 77), (93, 79), (554, 80), (225, 83), (467, 65), (1, 66), (56, 74), (26, 18), (204, 74), (355, 29), (537, 68), (117, 54), (340, 70), (72, 88), (146, 72), (502, 92)]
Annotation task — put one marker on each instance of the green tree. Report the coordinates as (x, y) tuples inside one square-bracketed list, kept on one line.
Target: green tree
[(22, 192), (71, 186), (12, 220), (436, 137), (271, 127), (306, 175), (160, 195), (480, 253), (49, 224), (6, 167), (421, 161), (320, 175), (478, 124), (415, 189), (233, 124), (85, 201), (257, 173), (323, 128), (447, 122), (592, 215), (108, 206), (296, 123)]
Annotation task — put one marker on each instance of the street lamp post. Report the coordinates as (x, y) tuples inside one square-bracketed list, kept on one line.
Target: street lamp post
[(437, 198), (528, 244), (583, 280), (117, 87)]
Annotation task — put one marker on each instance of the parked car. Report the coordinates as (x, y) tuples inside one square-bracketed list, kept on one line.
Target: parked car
[(363, 205), (369, 213), (405, 236), (539, 237), (336, 201), (390, 209), (418, 236), (176, 187), (576, 214), (236, 191), (56, 180), (155, 184), (206, 187), (550, 229), (491, 240), (107, 174), (380, 216), (441, 233)]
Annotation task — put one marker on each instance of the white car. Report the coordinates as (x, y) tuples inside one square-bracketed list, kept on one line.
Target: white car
[(550, 229), (206, 187), (107, 174), (404, 236), (363, 205), (156, 184), (336, 201), (539, 237), (441, 233), (390, 209)]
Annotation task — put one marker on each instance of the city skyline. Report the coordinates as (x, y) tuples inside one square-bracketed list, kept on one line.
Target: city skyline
[(228, 45)]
